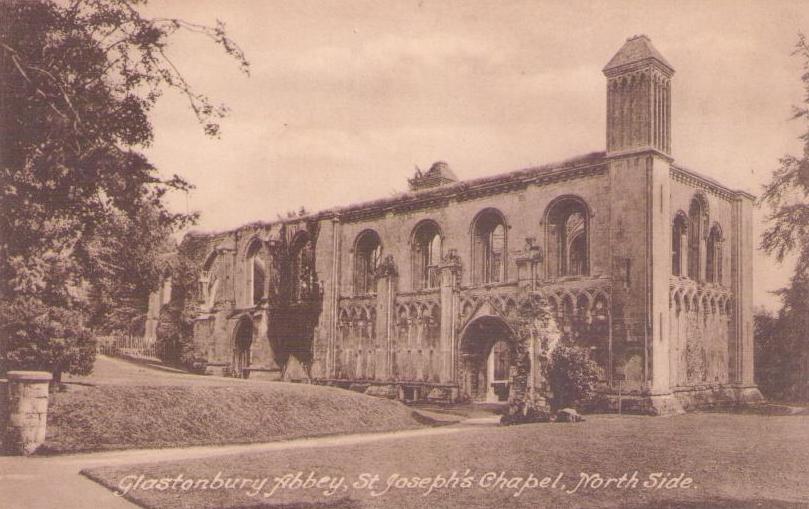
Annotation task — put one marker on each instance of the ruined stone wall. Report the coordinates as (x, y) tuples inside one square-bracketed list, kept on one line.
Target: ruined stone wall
[(700, 337), (523, 210), (408, 341)]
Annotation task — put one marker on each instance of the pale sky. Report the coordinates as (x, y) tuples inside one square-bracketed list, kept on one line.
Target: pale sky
[(346, 97)]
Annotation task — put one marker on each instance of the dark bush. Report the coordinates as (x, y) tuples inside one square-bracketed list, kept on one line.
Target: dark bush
[(572, 376)]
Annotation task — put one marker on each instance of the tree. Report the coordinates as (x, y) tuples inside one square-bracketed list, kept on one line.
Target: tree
[(787, 193), (46, 338), (126, 261), (79, 80), (781, 349)]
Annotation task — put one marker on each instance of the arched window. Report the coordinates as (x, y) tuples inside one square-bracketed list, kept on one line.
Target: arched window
[(209, 281), (256, 273), (713, 262), (568, 231), (697, 217), (367, 255), (489, 247), (679, 240), (302, 267), (426, 252)]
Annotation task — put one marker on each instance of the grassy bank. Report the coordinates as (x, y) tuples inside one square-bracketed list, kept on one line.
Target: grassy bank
[(735, 461), (106, 417)]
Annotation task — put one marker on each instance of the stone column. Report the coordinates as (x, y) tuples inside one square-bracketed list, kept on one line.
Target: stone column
[(450, 271), (386, 288), (27, 411), (741, 351)]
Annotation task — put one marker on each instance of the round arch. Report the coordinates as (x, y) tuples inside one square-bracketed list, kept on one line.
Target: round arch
[(486, 346), (564, 198), (301, 269), (254, 243), (488, 211), (365, 235), (567, 221), (489, 247), (367, 253), (426, 248), (425, 223)]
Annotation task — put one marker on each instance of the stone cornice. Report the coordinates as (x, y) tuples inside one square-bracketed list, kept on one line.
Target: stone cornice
[(641, 65), (640, 151), (694, 179), (464, 191)]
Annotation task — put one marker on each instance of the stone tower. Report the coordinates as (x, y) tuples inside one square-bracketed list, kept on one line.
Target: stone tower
[(638, 98), (638, 150)]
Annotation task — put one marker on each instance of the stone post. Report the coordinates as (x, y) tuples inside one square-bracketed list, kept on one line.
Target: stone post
[(27, 411), (450, 270), (387, 277)]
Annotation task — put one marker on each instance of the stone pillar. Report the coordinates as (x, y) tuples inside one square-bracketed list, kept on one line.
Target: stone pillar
[(334, 303), (386, 287), (450, 270), (741, 351), (27, 411)]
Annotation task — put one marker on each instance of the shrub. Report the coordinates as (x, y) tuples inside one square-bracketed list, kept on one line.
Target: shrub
[(572, 376), (175, 325), (175, 337), (46, 338)]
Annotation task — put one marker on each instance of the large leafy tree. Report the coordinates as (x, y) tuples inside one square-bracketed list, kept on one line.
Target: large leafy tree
[(79, 79), (126, 260), (787, 193), (782, 347)]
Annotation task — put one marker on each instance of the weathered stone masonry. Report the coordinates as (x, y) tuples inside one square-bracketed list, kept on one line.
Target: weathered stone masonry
[(646, 263)]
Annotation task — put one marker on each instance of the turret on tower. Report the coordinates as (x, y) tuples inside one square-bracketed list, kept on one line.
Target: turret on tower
[(638, 98)]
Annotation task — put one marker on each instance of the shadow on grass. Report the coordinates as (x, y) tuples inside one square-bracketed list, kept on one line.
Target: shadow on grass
[(721, 503), (340, 503), (765, 409)]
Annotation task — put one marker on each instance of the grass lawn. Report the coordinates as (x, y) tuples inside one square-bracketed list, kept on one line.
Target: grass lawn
[(129, 406), (735, 461)]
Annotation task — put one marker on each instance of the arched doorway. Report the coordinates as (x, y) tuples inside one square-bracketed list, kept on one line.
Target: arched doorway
[(486, 351), (243, 340)]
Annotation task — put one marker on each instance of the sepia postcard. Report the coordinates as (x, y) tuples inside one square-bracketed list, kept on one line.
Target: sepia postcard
[(394, 254)]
